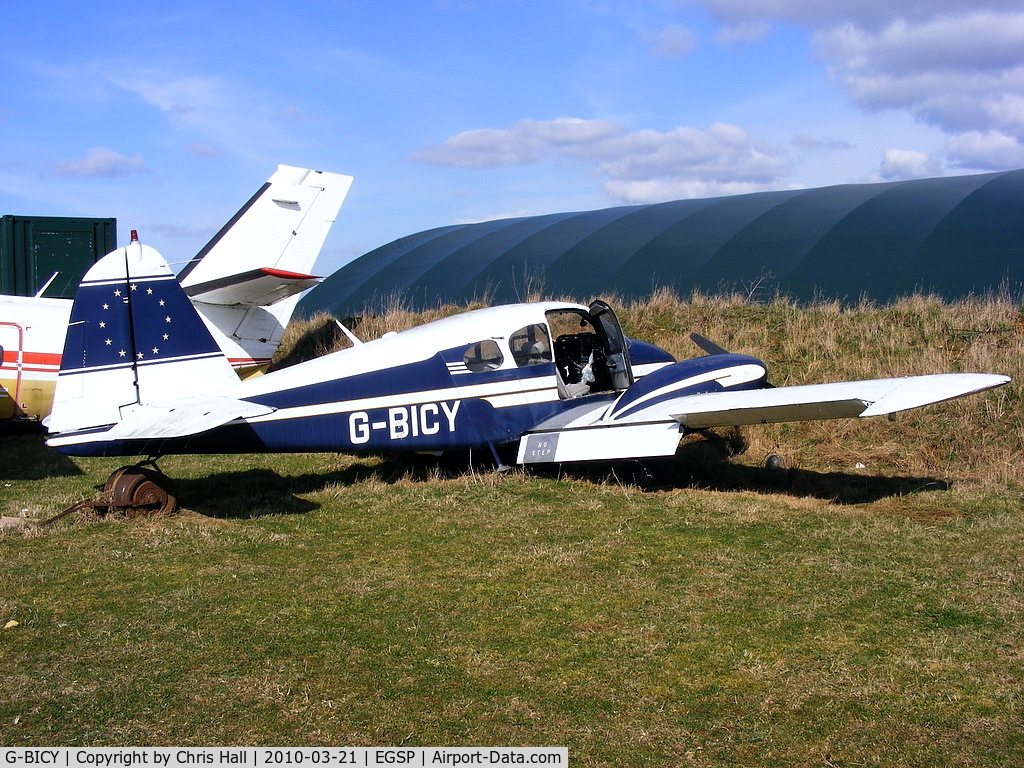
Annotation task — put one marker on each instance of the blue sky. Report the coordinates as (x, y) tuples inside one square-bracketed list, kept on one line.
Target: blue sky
[(169, 115)]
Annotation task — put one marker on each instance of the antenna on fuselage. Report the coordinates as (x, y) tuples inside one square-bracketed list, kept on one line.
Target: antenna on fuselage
[(707, 345), (348, 334)]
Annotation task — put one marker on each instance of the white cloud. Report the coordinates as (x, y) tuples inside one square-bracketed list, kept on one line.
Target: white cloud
[(744, 32), (902, 164), (523, 144), (869, 14), (497, 217), (663, 190), (638, 166), (722, 152), (954, 66), (100, 162), (179, 97), (985, 151), (203, 150), (962, 73), (808, 143), (217, 112), (481, 148), (674, 42), (569, 132)]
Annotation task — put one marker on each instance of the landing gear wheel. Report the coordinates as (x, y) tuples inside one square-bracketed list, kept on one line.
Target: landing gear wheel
[(137, 490)]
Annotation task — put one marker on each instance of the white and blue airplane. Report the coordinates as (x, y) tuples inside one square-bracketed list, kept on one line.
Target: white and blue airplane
[(546, 382)]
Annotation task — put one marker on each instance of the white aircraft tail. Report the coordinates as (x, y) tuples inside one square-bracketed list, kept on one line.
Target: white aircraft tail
[(246, 281), (134, 339)]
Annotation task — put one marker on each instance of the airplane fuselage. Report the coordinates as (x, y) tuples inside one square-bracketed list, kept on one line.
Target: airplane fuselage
[(31, 341), (141, 374), (477, 379)]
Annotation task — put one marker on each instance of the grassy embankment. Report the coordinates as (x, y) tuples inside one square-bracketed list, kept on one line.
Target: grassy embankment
[(822, 615)]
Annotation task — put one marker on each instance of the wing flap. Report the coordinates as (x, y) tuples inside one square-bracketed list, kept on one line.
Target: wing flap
[(600, 443), (750, 413)]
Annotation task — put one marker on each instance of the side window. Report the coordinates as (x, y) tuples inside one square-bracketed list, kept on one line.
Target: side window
[(483, 356), (531, 345)]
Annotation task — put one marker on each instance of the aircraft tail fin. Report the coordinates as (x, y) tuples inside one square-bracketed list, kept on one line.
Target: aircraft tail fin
[(246, 281), (282, 227), (133, 339)]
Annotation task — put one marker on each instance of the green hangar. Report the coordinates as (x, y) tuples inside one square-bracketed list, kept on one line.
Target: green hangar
[(950, 236)]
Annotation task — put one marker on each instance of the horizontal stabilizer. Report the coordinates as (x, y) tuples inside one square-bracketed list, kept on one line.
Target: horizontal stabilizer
[(188, 416), (875, 397), (260, 287)]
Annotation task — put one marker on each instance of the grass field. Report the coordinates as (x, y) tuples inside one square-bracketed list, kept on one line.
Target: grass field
[(824, 614)]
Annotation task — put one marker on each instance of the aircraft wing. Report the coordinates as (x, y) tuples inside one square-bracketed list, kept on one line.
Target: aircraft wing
[(596, 433), (874, 397), (188, 416)]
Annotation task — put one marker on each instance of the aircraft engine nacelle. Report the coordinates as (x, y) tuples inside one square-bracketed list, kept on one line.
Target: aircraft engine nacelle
[(713, 373)]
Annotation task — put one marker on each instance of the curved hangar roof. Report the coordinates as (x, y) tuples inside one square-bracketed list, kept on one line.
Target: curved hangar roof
[(952, 236)]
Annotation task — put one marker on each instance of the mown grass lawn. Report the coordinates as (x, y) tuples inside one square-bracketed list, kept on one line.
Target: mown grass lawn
[(318, 599)]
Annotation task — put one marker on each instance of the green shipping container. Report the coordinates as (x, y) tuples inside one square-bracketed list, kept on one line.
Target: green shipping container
[(33, 248)]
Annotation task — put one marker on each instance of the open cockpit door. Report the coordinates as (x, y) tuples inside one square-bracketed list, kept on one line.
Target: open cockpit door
[(616, 355), (589, 350)]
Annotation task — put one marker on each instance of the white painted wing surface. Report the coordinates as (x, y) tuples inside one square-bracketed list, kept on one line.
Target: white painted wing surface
[(873, 397)]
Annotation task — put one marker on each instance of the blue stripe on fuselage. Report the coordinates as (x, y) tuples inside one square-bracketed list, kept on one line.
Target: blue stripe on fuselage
[(429, 410)]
